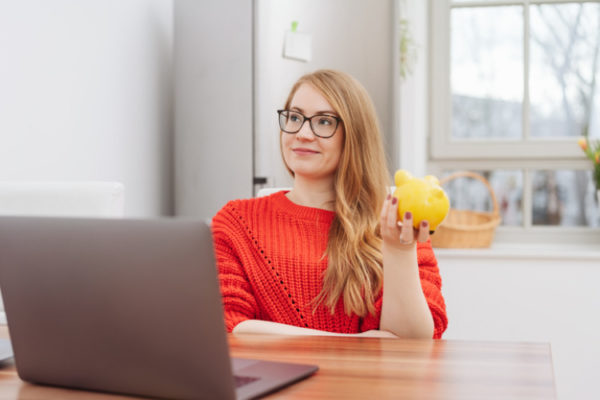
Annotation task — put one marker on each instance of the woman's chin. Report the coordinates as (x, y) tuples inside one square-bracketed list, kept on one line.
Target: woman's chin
[(311, 175)]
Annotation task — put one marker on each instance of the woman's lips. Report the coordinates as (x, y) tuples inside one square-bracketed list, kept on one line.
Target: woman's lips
[(304, 152)]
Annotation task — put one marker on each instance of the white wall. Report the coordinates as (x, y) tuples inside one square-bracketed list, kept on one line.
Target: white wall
[(355, 36), (544, 297), (85, 94)]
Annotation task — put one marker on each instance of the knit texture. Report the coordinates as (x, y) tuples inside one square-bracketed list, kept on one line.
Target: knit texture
[(269, 254)]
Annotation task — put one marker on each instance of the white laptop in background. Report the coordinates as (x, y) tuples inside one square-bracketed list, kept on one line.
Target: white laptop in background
[(6, 352)]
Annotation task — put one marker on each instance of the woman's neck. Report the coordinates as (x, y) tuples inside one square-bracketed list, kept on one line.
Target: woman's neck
[(313, 194)]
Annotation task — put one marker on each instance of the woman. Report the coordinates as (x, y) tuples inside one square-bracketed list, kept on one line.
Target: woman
[(314, 260)]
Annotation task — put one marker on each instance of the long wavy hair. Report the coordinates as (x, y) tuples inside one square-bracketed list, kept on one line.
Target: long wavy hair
[(355, 263)]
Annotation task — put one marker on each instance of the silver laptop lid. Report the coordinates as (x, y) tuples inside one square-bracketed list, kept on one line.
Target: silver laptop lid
[(115, 305)]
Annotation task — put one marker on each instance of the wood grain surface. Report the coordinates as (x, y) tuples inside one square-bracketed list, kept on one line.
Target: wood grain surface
[(371, 368)]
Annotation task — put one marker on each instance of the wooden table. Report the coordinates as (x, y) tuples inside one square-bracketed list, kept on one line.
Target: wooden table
[(368, 368)]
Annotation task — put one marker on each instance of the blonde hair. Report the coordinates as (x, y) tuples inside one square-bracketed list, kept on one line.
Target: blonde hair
[(355, 263)]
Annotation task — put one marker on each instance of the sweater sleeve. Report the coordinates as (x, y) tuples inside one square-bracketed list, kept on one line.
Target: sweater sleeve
[(431, 282), (238, 299), (371, 321)]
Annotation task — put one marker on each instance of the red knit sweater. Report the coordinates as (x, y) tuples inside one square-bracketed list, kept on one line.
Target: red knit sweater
[(270, 257)]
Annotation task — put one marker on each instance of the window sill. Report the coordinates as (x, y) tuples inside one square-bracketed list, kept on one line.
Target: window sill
[(584, 252)]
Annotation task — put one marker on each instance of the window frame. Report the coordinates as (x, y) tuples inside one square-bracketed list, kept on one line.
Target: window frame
[(525, 154)]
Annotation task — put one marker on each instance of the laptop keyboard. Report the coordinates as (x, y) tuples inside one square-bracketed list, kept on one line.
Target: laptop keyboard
[(243, 380)]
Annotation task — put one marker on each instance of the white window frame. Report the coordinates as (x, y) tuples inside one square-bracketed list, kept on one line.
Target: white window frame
[(525, 154)]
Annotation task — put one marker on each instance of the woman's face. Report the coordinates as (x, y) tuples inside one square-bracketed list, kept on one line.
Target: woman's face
[(306, 154)]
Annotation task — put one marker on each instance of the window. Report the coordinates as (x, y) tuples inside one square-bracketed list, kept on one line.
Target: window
[(513, 85)]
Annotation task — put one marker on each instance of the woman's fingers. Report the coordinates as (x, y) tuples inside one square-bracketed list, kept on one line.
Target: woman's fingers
[(407, 235), (400, 231), (385, 207), (423, 234), (388, 217), (392, 214)]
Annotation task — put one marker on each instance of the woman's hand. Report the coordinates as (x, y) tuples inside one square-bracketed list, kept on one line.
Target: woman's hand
[(374, 333), (397, 234), (404, 311)]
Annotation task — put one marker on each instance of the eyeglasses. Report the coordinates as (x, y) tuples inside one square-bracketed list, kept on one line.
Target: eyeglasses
[(322, 125)]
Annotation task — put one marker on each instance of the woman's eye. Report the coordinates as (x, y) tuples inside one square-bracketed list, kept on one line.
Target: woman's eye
[(325, 121), (294, 118)]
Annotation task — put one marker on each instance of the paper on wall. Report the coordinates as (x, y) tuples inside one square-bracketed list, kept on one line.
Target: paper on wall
[(297, 46)]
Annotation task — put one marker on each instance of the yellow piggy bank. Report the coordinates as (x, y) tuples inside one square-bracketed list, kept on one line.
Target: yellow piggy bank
[(424, 197)]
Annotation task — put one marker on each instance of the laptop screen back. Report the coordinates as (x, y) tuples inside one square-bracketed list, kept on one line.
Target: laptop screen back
[(115, 306)]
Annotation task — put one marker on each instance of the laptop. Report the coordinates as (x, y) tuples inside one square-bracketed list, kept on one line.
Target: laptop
[(124, 306)]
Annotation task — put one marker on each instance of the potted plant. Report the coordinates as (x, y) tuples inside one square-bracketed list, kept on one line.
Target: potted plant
[(592, 151)]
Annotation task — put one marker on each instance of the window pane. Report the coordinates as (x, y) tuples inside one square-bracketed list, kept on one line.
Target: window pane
[(565, 70), (471, 194), (487, 72), (565, 198)]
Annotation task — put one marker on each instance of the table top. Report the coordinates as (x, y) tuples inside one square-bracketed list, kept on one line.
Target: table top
[(393, 368), (353, 367)]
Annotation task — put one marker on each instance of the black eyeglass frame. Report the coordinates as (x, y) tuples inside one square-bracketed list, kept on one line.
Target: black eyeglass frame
[(309, 119)]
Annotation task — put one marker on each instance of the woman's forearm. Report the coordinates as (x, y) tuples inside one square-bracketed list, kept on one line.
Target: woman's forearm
[(268, 327), (405, 311), (258, 326)]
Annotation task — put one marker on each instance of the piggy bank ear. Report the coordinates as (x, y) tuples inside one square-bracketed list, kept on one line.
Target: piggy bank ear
[(438, 193), (401, 177), (432, 180)]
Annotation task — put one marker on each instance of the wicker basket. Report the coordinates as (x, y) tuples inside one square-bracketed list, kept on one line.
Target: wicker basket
[(464, 228)]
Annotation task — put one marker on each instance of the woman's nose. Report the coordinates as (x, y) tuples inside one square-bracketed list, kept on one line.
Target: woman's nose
[(305, 131)]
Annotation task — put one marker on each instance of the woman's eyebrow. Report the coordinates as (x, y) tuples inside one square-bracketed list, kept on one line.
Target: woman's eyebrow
[(316, 113)]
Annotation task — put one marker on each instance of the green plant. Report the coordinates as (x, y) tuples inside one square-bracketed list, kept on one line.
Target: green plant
[(592, 151), (407, 50)]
